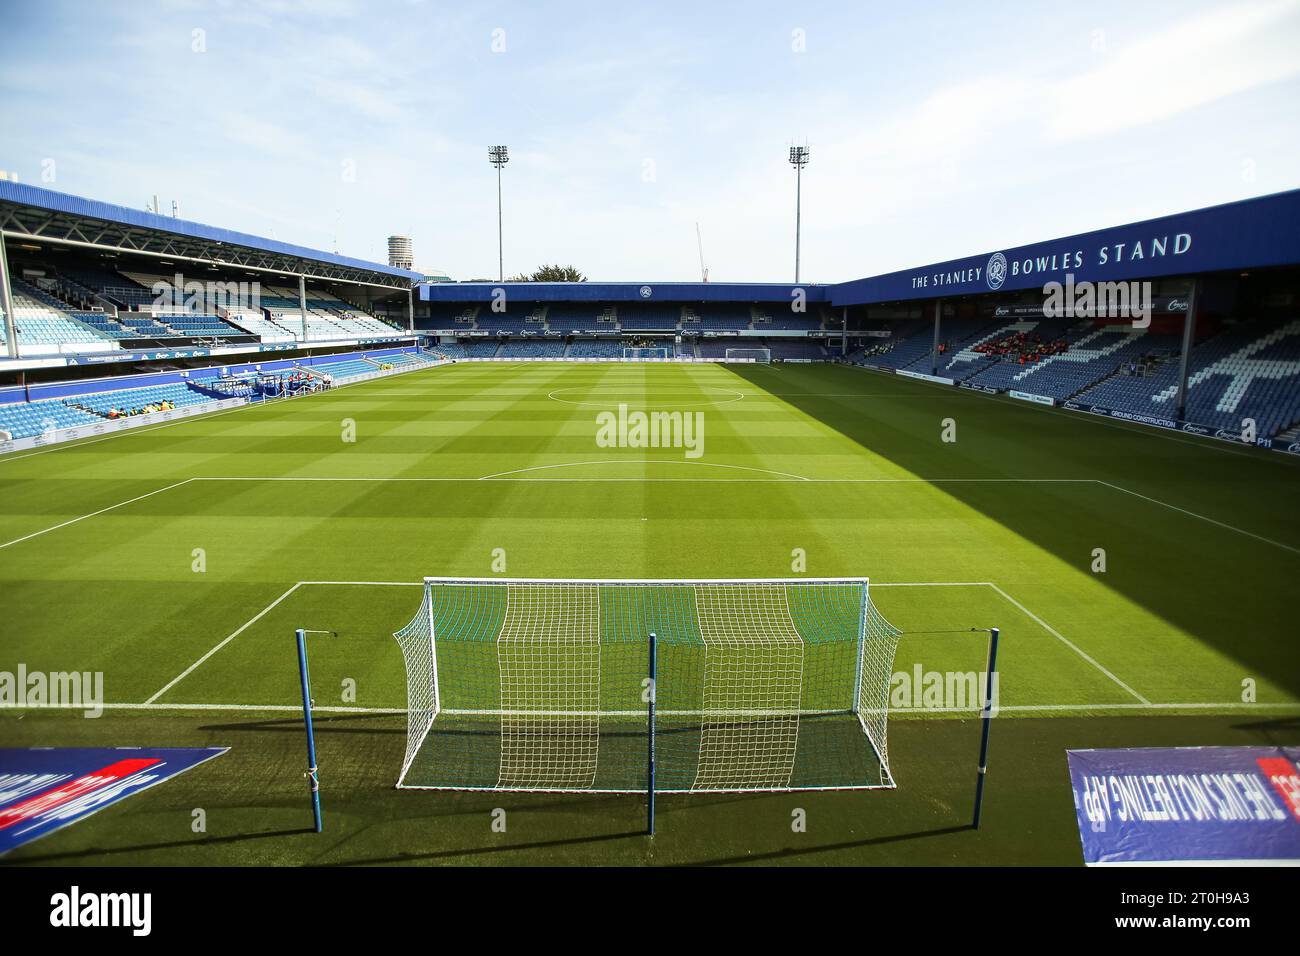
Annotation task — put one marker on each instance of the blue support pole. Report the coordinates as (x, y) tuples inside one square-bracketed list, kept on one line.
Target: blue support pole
[(650, 789), (312, 778), (987, 714)]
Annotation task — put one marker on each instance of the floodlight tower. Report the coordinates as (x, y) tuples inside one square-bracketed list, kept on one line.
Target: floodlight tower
[(498, 156), (798, 159)]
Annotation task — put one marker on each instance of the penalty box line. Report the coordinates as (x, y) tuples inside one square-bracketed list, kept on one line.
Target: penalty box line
[(153, 700), (512, 476)]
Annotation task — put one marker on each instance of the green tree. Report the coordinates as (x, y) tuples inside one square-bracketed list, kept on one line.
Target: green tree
[(555, 273)]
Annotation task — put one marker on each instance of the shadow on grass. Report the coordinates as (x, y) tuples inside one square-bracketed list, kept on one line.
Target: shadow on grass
[(321, 724), (791, 853), (1227, 588), (1268, 730), (487, 850), (146, 847)]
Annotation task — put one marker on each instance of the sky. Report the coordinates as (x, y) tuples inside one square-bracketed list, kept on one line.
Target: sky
[(936, 129)]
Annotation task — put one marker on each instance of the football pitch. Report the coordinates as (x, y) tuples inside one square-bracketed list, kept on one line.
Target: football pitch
[(1143, 583)]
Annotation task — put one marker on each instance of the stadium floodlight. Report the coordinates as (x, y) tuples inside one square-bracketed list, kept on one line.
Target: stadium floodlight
[(798, 159), (542, 685), (498, 156)]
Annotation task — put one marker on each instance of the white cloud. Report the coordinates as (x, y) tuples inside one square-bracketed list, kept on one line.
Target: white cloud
[(1212, 56)]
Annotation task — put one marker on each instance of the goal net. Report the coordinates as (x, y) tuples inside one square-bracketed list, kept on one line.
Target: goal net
[(645, 353), (543, 685), (749, 355)]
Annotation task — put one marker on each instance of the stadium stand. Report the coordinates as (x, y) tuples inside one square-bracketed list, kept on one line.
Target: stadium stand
[(337, 370), (767, 320), (104, 324), (792, 348), (451, 350), (548, 349), (1092, 354), (595, 348), (577, 317), (28, 419), (1251, 370), (717, 317), (532, 321), (143, 326), (44, 326), (185, 323), (649, 318), (263, 328), (125, 292), (104, 404)]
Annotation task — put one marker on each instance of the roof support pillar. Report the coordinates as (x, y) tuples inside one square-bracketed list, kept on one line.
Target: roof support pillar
[(1189, 336), (302, 304), (7, 303), (934, 351)]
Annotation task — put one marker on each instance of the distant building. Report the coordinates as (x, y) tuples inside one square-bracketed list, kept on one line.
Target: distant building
[(400, 255)]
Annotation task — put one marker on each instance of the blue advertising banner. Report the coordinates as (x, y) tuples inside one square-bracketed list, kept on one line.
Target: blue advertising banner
[(45, 790), (1188, 805)]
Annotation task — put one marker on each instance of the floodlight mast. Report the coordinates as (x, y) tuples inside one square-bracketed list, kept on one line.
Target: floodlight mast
[(498, 156), (798, 159)]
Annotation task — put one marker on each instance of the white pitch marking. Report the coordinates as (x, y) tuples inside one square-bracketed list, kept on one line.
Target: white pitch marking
[(739, 397), (245, 626), (151, 703), (1193, 514), (790, 478), (120, 504), (1072, 646), (643, 461)]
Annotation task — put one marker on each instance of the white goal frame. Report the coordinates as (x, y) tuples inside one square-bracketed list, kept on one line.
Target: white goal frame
[(868, 648), (760, 356)]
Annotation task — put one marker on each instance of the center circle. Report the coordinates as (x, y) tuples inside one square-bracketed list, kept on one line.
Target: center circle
[(624, 399)]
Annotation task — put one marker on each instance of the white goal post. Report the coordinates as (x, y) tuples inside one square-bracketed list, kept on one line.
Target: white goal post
[(645, 354), (763, 356), (546, 685)]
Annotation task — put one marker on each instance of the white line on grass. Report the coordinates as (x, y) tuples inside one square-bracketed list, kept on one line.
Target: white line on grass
[(1038, 708), (120, 504), (1144, 704), (780, 478), (792, 478), (785, 477), (243, 627), (1072, 646), (642, 461), (1193, 514)]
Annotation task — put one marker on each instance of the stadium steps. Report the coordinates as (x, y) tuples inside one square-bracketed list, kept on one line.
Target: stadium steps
[(1290, 434)]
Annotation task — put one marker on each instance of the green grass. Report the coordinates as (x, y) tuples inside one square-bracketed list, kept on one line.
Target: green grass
[(1193, 616)]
